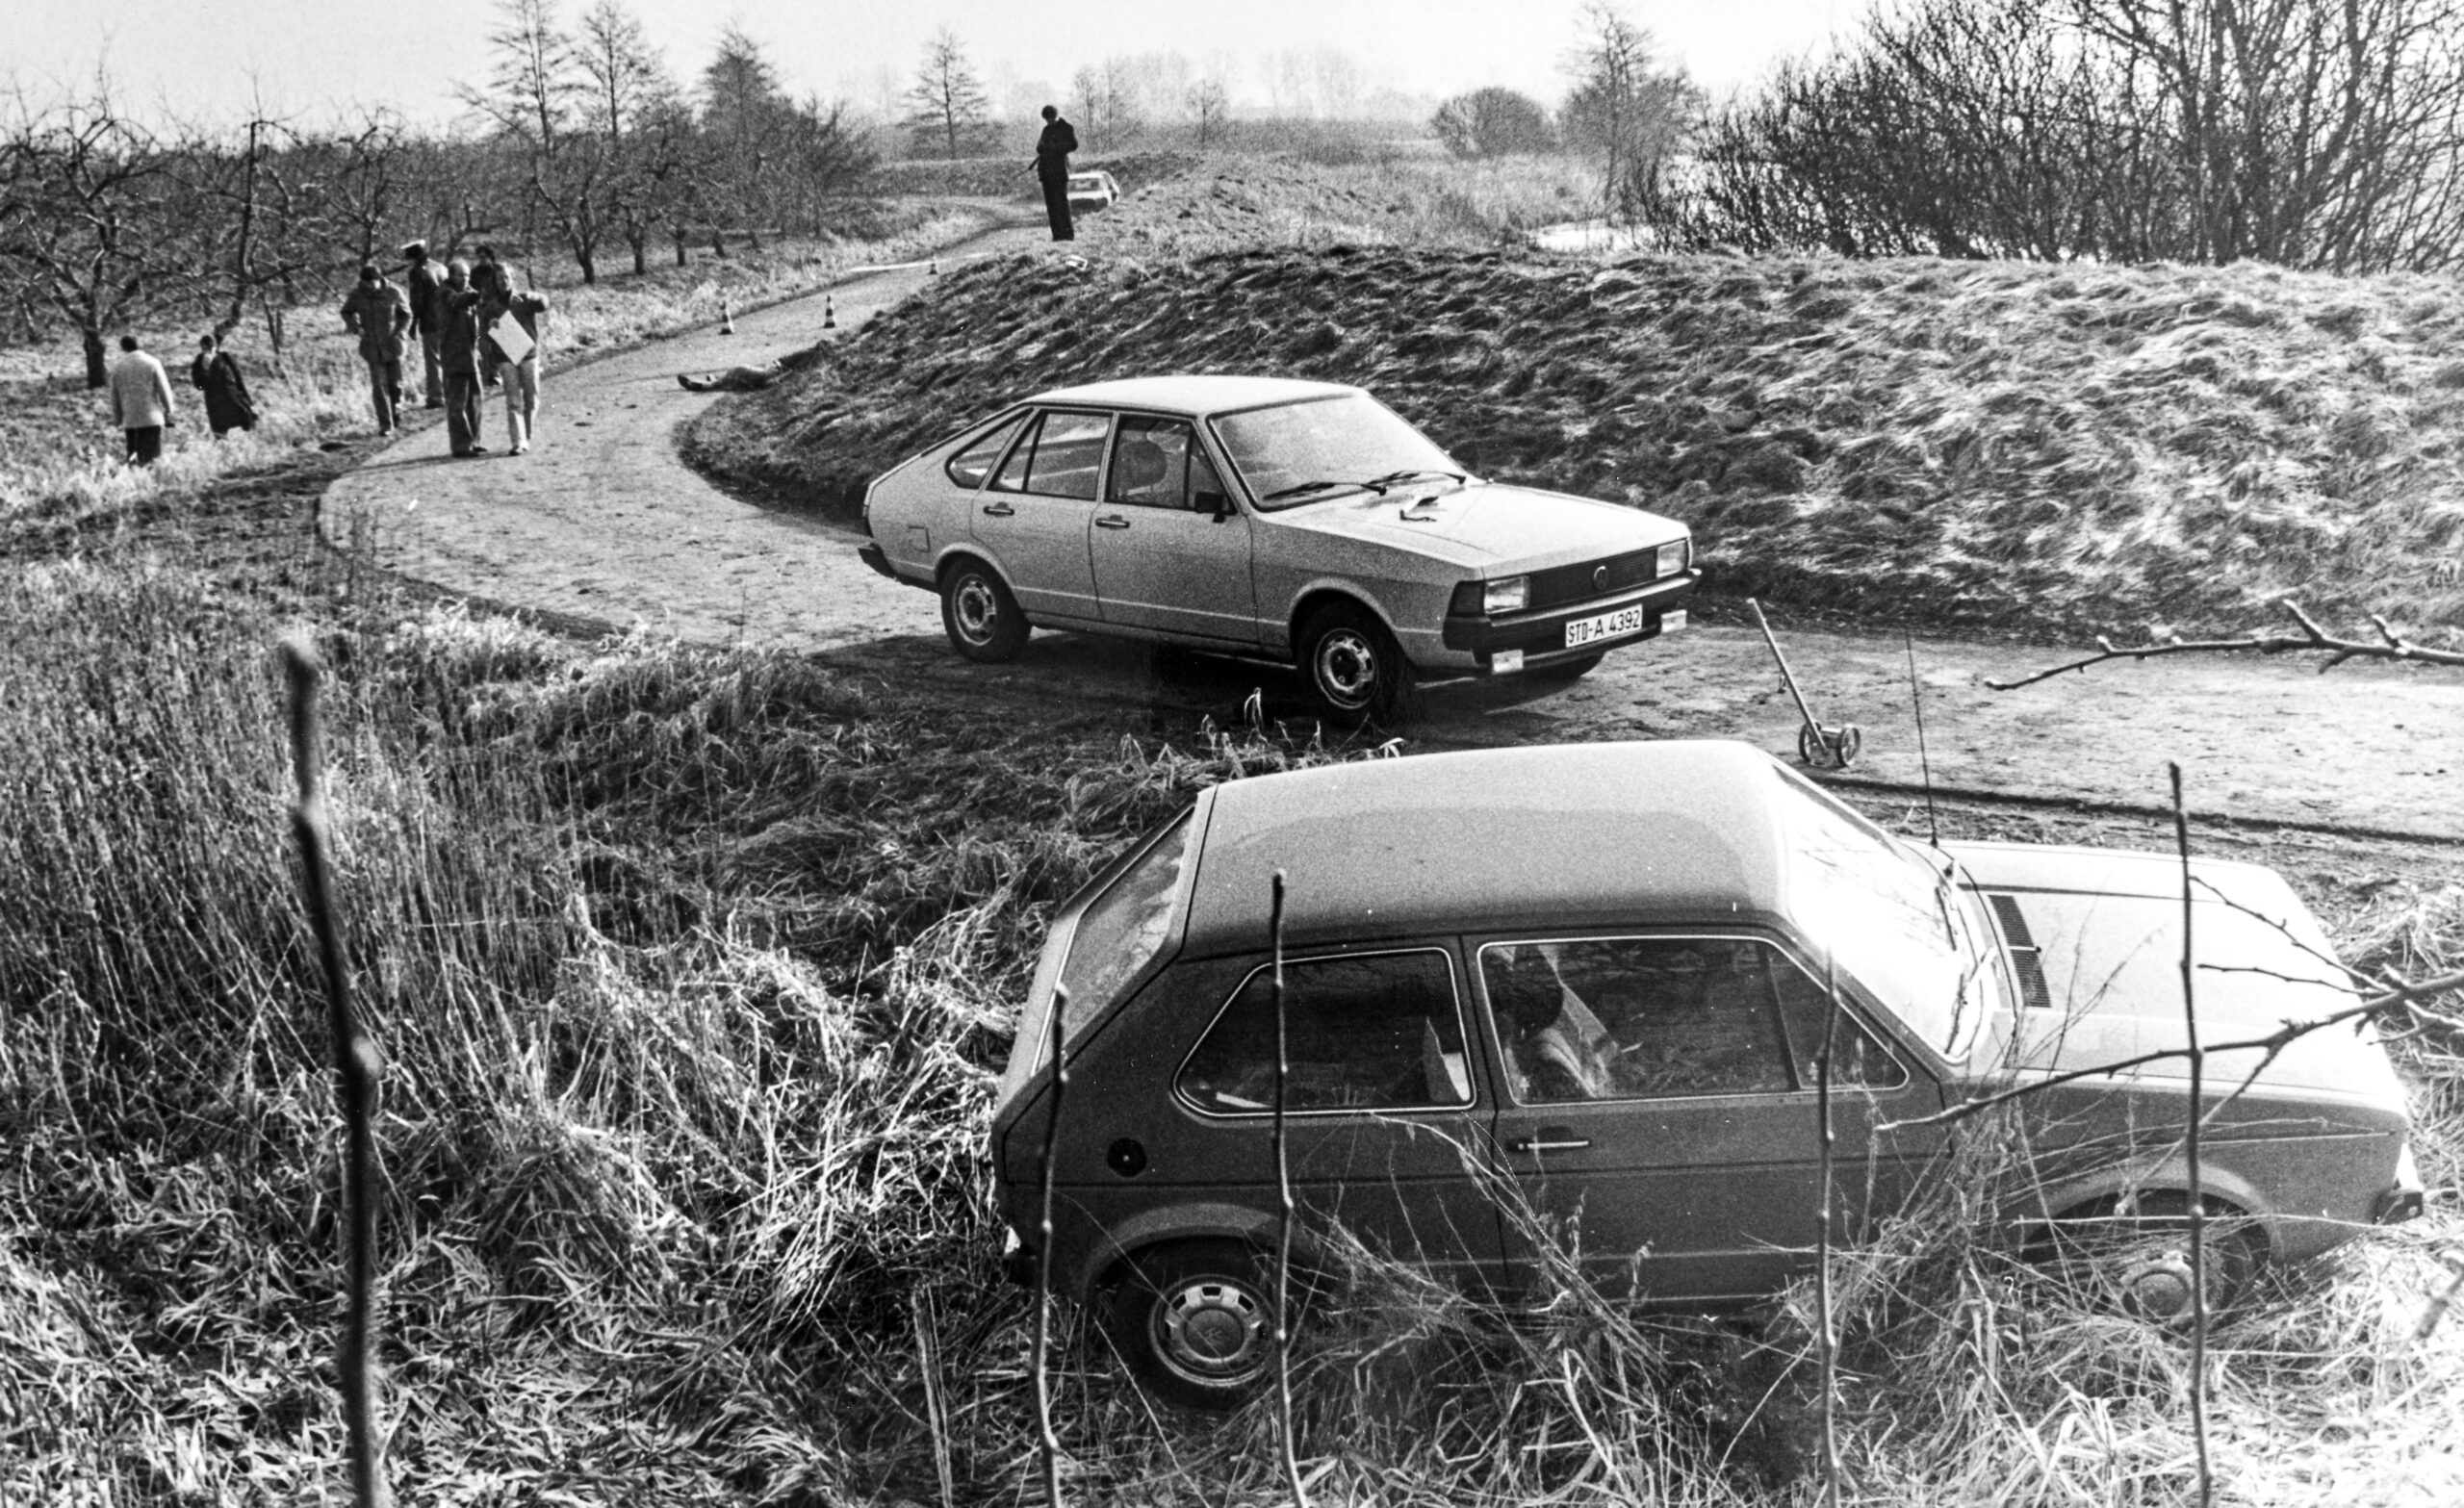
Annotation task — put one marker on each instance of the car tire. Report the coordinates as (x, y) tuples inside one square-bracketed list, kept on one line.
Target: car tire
[(2136, 1256), (979, 614), (1575, 668), (1353, 667), (1194, 1321)]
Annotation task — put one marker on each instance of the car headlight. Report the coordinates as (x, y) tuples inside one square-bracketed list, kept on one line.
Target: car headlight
[(1508, 595), (1671, 556)]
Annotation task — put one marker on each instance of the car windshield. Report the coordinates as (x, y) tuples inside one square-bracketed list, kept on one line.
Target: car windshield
[(1891, 917), (1301, 452)]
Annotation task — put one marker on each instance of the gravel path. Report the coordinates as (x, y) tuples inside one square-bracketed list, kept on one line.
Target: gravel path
[(602, 521)]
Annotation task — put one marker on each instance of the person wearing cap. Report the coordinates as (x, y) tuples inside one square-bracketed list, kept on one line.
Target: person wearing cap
[(381, 318), (427, 283)]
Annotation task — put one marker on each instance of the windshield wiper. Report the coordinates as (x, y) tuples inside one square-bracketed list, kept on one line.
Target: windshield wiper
[(1297, 487), (1381, 483)]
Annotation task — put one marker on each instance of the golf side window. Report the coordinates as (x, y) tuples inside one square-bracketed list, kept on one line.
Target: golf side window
[(1378, 1032), (1666, 1017)]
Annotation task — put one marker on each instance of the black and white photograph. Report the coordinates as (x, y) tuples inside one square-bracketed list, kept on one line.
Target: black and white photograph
[(1324, 753)]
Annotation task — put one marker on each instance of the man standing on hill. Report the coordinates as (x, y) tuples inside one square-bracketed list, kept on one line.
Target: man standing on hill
[(1052, 168), (426, 306), (378, 315), (140, 401)]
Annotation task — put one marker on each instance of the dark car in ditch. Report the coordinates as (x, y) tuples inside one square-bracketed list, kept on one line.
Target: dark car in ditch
[(1597, 975)]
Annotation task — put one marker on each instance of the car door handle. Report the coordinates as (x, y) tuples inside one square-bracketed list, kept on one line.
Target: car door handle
[(1112, 521), (999, 510), (1551, 1138)]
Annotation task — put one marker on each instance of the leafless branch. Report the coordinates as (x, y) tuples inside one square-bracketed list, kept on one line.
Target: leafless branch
[(1283, 1226), (1047, 1441), (2191, 1152), (1827, 1338), (2312, 639), (357, 1072)]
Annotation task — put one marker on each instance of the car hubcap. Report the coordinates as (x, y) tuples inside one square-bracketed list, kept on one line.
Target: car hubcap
[(2159, 1287), (1212, 1330), (1346, 668), (975, 609)]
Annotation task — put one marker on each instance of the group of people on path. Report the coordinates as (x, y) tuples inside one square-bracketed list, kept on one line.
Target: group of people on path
[(141, 403), (475, 331)]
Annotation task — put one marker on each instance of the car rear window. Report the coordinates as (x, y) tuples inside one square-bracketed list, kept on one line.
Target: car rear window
[(1058, 458), (971, 465), (1122, 930), (1381, 1032)]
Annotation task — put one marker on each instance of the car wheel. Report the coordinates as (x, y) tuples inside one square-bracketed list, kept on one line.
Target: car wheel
[(1195, 1322), (1354, 667), (1575, 668), (2134, 1256), (981, 617)]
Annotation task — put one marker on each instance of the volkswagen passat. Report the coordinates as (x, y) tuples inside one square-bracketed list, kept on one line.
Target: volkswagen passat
[(1303, 523), (1600, 971)]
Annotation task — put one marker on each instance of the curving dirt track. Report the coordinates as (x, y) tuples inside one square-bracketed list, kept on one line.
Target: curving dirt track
[(601, 522)]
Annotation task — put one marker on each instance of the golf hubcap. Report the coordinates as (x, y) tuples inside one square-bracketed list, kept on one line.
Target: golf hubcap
[(2160, 1287), (1347, 667), (1213, 1330), (976, 609)]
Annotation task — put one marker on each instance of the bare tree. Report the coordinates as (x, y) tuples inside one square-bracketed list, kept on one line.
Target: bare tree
[(1111, 109), (949, 98), (1625, 107), (626, 102), (743, 109), (1210, 107)]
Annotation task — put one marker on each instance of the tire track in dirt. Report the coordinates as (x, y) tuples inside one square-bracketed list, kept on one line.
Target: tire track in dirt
[(603, 522)]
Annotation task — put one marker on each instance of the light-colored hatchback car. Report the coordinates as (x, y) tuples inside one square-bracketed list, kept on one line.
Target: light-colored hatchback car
[(1303, 523), (1092, 191)]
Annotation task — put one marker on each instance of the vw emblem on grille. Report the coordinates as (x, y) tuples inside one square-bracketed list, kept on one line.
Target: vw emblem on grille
[(1600, 578)]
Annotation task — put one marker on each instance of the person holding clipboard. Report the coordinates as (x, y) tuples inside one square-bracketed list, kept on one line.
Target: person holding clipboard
[(509, 342)]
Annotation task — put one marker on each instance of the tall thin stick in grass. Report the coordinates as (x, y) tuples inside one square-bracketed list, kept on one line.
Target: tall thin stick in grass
[(356, 1074), (1047, 1442), (1826, 1339), (1283, 1205), (2190, 1155)]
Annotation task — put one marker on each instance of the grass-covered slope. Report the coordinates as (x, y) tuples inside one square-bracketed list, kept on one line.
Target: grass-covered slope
[(2007, 444)]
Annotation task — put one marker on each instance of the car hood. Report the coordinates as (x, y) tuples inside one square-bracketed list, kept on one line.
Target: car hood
[(2107, 929), (1487, 525)]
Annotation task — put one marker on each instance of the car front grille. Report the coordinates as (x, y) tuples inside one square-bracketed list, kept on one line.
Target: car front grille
[(1559, 585)]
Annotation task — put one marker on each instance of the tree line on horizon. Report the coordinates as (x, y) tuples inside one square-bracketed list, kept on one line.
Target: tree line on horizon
[(2325, 135)]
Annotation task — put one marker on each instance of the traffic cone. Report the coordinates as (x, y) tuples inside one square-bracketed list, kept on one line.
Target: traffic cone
[(727, 316), (829, 316), (933, 269)]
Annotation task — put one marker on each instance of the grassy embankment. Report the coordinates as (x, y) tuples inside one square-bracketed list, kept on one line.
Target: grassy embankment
[(2000, 446), (690, 967)]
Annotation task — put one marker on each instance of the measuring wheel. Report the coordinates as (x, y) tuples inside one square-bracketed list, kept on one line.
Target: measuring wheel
[(1829, 748)]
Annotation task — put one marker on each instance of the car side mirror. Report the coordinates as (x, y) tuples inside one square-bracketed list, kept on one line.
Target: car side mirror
[(1218, 503)]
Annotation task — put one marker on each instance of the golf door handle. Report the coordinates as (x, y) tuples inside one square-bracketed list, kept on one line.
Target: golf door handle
[(999, 510), (1550, 1138), (1112, 521)]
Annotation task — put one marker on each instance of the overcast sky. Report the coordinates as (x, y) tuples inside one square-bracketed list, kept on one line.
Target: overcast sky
[(317, 57)]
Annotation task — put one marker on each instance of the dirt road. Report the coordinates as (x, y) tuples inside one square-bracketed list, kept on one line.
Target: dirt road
[(602, 521)]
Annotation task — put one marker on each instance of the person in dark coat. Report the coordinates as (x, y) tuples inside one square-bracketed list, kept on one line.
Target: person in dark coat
[(457, 337), (215, 372), (1052, 168), (377, 313), (427, 283)]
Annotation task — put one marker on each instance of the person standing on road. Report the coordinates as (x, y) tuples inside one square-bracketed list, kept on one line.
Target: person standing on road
[(427, 285), (380, 316), (1052, 168), (215, 372), (457, 333), (509, 340), (140, 401)]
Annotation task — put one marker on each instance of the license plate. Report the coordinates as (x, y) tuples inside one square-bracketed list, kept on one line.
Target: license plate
[(1607, 625)]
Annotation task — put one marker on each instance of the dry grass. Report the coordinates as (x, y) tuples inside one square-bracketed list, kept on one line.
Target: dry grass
[(1992, 444)]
